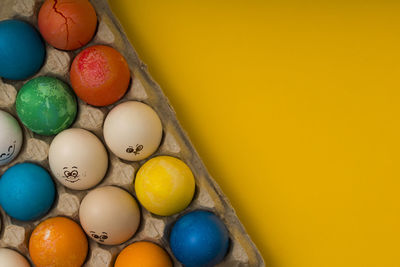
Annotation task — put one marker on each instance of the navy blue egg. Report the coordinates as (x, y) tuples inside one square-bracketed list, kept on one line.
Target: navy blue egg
[(22, 50), (27, 192), (199, 239)]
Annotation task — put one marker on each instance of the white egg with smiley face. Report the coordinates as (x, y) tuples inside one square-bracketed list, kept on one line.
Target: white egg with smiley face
[(78, 159), (11, 138)]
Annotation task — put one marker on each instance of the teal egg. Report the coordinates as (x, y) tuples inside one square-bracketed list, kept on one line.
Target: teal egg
[(46, 105)]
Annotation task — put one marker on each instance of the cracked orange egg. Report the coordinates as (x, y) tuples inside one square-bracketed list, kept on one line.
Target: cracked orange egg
[(67, 24), (100, 75), (58, 242)]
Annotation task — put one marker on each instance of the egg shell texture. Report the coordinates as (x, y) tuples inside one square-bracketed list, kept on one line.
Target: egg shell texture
[(27, 191), (58, 242), (22, 51), (199, 239), (11, 258), (46, 105), (109, 215), (100, 75), (78, 159), (139, 130), (67, 24), (143, 254), (11, 138), (165, 185)]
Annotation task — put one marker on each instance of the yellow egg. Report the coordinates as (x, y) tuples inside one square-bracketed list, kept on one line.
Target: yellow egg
[(164, 185)]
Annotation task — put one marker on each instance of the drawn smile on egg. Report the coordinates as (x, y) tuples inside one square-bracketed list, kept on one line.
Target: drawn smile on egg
[(9, 153), (71, 176)]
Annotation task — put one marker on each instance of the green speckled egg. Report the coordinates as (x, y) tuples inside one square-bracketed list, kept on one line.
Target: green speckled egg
[(46, 105)]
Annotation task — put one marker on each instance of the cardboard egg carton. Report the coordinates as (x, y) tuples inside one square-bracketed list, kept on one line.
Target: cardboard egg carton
[(15, 234)]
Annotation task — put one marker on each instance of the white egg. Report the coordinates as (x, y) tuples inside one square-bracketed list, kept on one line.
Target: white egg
[(109, 215), (78, 159), (10, 138), (132, 131), (11, 258)]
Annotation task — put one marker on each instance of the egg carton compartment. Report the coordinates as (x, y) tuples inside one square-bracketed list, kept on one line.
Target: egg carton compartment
[(15, 234)]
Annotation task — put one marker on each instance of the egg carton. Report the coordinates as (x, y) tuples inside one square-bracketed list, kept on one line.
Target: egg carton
[(15, 234)]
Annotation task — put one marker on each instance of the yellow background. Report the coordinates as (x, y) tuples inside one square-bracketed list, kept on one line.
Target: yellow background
[(294, 108)]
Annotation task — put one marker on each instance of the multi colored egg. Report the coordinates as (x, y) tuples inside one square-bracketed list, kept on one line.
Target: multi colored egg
[(67, 24), (143, 254), (100, 75), (11, 138), (46, 105), (58, 242), (164, 185), (132, 130), (27, 192), (78, 159), (22, 51), (109, 215), (199, 239)]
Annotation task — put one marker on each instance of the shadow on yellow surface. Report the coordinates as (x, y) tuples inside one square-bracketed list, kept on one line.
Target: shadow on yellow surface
[(294, 108)]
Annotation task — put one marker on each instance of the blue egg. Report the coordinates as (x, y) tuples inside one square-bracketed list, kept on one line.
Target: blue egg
[(22, 50), (27, 192), (199, 239)]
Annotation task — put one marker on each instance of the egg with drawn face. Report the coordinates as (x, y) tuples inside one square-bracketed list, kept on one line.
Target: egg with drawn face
[(109, 215), (78, 159), (132, 131), (10, 138)]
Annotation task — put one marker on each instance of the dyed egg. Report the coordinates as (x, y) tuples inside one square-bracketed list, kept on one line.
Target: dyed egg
[(109, 215), (132, 131), (143, 254), (46, 105), (164, 185), (11, 258), (78, 159), (22, 51), (10, 138), (67, 24), (100, 75), (27, 191), (199, 239), (58, 242)]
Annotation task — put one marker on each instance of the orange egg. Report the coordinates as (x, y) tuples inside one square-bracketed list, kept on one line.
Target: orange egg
[(67, 24), (143, 254), (100, 75), (58, 242)]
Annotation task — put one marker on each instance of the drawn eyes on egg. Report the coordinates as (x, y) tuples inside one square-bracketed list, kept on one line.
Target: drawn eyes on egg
[(73, 173), (136, 150), (101, 237)]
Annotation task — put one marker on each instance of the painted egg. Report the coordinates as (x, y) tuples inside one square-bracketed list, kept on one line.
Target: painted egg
[(67, 24), (109, 215), (78, 159), (199, 239), (27, 192), (100, 75), (58, 242), (11, 138), (46, 105), (22, 51), (164, 185), (143, 254), (11, 258), (132, 131)]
